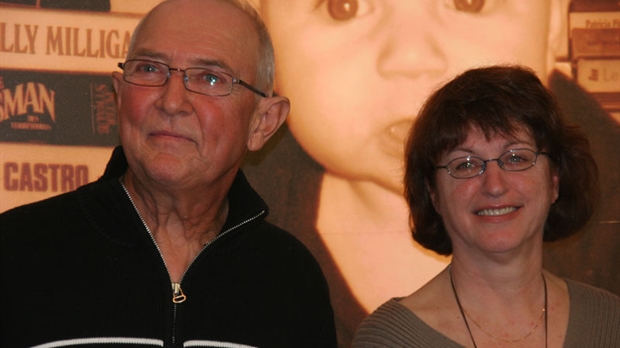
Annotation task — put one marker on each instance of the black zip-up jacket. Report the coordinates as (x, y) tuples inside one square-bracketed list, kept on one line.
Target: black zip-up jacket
[(81, 270)]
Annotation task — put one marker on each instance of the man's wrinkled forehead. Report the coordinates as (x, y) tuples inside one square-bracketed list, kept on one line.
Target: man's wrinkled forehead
[(190, 16), (209, 33)]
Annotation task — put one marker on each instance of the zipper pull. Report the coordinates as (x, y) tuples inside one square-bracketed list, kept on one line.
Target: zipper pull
[(177, 293)]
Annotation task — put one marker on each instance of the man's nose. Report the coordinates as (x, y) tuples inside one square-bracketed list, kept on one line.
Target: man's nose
[(174, 99)]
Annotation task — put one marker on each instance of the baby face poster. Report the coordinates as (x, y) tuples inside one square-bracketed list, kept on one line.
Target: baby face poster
[(357, 73)]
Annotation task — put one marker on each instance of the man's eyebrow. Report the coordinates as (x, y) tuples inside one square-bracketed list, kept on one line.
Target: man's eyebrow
[(195, 63), (144, 53), (211, 63)]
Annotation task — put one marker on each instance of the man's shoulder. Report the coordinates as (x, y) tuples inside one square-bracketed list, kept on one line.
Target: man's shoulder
[(266, 246), (62, 212), (279, 240), (36, 211)]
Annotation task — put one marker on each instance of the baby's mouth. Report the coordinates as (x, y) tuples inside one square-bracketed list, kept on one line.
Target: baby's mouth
[(395, 137)]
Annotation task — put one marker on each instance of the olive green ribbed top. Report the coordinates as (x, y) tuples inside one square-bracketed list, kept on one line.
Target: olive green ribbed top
[(594, 322)]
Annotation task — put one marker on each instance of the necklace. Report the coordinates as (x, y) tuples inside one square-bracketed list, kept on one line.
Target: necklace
[(463, 314)]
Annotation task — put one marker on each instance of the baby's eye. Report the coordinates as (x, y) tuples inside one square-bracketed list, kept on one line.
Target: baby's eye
[(471, 6), (342, 10), (346, 10)]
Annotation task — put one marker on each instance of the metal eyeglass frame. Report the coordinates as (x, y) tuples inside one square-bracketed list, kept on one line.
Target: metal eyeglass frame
[(185, 79), (483, 167)]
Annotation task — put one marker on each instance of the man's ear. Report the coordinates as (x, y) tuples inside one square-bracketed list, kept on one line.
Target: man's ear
[(117, 79), (269, 115)]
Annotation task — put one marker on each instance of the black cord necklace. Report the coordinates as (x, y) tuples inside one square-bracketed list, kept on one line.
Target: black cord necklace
[(458, 302)]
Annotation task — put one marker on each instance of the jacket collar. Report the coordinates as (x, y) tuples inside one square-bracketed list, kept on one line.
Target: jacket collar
[(110, 211)]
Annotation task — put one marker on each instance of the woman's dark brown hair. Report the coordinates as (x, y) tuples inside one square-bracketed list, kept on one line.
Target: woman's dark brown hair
[(498, 100)]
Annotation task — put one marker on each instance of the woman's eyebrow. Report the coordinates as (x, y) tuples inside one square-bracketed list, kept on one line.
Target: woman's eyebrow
[(517, 142), (461, 149)]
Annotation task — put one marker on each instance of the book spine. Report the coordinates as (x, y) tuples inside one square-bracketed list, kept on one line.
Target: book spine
[(594, 20), (599, 75), (594, 43)]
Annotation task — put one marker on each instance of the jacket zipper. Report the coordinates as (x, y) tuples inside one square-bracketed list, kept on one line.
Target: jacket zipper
[(178, 296)]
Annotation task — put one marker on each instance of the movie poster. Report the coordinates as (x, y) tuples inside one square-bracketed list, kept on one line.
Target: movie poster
[(357, 73)]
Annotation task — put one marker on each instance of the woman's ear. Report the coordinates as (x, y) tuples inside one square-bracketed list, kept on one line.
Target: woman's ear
[(434, 197), (269, 115), (555, 181)]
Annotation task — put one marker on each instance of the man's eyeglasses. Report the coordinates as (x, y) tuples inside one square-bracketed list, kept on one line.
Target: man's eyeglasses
[(513, 161), (148, 73)]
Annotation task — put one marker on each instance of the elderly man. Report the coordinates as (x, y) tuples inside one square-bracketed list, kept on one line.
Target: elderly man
[(170, 247)]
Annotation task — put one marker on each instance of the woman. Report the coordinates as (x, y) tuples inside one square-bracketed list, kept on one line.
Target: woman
[(492, 171), (357, 73)]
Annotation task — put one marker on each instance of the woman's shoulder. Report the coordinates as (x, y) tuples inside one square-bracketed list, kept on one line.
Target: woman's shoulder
[(584, 294), (394, 325), (389, 324), (391, 312), (594, 317)]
